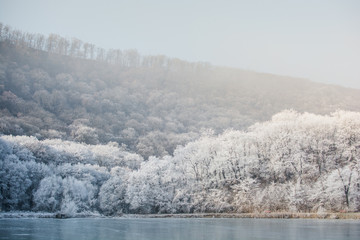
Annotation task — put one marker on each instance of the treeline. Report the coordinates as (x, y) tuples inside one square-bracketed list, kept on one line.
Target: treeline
[(56, 44), (55, 175), (295, 162)]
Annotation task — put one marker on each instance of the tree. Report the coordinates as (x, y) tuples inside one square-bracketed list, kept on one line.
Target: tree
[(84, 134), (113, 192), (75, 47)]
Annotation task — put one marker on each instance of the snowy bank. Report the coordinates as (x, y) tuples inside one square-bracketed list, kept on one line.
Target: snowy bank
[(17, 214), (286, 215)]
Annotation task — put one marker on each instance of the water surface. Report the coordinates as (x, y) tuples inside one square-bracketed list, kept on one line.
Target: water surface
[(169, 229)]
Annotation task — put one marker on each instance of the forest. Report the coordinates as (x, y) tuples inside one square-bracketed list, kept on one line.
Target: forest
[(294, 162), (88, 130)]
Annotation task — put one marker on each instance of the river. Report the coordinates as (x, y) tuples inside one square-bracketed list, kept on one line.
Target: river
[(172, 229)]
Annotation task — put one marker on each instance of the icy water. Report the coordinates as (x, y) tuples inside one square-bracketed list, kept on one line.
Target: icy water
[(169, 229)]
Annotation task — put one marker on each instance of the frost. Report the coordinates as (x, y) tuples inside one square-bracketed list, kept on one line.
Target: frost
[(295, 162)]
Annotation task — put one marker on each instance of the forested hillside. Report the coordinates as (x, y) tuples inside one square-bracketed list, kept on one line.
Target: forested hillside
[(52, 87), (295, 162), (85, 130)]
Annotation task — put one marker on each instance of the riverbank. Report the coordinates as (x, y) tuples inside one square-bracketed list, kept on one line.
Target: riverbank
[(283, 215), (286, 215), (17, 214)]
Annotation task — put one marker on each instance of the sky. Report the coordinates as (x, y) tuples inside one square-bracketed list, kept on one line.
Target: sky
[(313, 39)]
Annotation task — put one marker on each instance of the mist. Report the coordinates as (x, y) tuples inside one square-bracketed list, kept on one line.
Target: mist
[(317, 41)]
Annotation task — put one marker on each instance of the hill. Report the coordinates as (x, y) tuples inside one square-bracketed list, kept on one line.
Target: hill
[(150, 104), (87, 131)]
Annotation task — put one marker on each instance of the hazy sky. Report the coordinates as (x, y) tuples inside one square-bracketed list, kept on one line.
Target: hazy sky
[(314, 39)]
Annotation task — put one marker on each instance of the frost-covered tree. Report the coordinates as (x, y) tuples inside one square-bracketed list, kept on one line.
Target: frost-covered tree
[(293, 162), (19, 177), (112, 196), (148, 189)]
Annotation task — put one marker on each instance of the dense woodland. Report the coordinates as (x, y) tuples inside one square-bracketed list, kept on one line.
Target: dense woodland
[(295, 162), (87, 130)]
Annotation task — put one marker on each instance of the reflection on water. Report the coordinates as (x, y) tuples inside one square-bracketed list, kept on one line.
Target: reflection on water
[(188, 229)]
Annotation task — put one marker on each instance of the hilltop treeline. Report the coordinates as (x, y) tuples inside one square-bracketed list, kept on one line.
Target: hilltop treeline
[(295, 162), (73, 47), (52, 87)]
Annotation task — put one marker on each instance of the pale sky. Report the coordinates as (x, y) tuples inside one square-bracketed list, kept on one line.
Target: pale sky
[(314, 39)]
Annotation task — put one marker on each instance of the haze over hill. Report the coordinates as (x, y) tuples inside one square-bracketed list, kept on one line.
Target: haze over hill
[(86, 130), (314, 40), (54, 87)]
